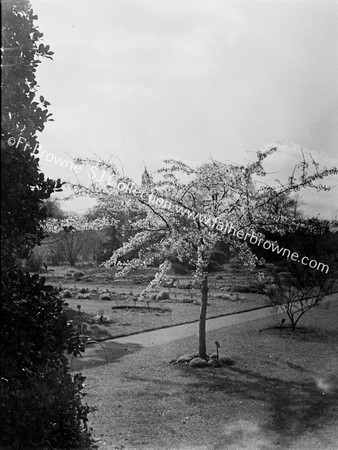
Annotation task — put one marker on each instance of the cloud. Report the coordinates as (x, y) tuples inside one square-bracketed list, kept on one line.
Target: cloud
[(168, 38)]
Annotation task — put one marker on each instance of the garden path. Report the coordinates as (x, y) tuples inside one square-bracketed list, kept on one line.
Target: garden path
[(114, 349), (165, 335)]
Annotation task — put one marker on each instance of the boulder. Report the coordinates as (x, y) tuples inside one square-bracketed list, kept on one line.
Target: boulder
[(163, 295), (226, 361), (198, 362), (214, 363), (185, 358)]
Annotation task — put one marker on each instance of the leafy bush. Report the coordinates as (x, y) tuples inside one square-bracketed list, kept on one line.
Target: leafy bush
[(55, 258), (40, 404), (40, 401), (67, 294), (34, 263), (102, 319)]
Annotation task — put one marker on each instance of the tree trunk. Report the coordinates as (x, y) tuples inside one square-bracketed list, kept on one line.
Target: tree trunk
[(202, 350)]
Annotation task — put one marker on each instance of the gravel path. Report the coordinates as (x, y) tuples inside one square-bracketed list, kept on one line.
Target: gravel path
[(166, 335), (110, 350)]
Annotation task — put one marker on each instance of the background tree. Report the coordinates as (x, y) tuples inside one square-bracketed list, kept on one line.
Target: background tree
[(104, 243), (74, 238), (53, 209), (71, 246), (296, 288), (40, 401), (46, 253)]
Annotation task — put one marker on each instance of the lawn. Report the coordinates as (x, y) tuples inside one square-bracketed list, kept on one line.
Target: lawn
[(126, 314), (282, 392)]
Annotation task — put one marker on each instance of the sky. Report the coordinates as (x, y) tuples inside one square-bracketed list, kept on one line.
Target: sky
[(141, 81)]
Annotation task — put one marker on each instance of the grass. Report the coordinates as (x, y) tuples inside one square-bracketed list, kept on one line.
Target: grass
[(128, 317), (282, 392), (131, 316)]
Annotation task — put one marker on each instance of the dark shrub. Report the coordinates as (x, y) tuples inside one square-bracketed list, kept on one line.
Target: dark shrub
[(40, 402), (34, 263)]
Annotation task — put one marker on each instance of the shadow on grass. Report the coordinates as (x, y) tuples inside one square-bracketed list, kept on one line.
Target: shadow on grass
[(295, 407), (95, 355), (306, 334)]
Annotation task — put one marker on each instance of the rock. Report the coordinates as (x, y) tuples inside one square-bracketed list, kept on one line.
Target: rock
[(187, 300), (183, 285), (105, 297), (198, 362), (83, 296), (213, 356), (185, 358), (214, 363), (224, 296), (163, 295), (78, 274), (226, 361), (168, 283)]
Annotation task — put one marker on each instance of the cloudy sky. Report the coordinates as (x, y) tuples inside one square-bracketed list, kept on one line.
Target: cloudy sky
[(147, 80)]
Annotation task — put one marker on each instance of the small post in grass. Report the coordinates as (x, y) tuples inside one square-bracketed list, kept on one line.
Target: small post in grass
[(79, 308), (217, 347)]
